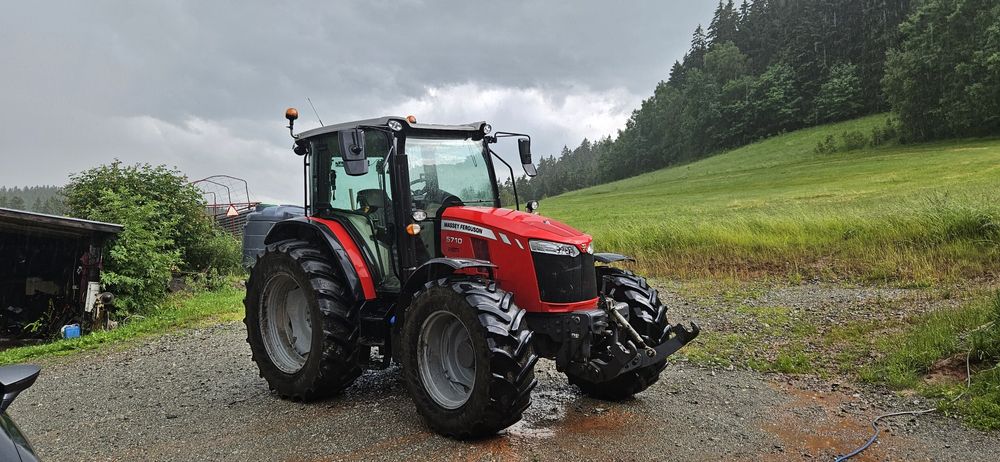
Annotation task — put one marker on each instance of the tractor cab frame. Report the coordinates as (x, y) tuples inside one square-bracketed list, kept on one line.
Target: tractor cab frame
[(397, 176)]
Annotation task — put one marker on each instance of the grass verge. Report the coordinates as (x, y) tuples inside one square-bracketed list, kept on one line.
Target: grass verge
[(912, 340), (178, 311), (940, 344)]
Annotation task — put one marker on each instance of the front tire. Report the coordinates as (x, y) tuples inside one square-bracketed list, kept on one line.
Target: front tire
[(648, 316), (301, 328), (467, 358)]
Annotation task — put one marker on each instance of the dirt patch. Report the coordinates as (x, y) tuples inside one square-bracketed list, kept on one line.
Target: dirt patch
[(948, 371), (604, 421)]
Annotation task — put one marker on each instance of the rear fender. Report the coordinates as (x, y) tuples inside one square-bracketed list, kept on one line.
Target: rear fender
[(336, 241)]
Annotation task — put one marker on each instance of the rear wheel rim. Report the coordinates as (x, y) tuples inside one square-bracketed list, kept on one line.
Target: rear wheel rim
[(285, 324), (446, 360)]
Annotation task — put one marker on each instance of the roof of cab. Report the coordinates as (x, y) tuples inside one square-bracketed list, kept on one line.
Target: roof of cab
[(381, 121)]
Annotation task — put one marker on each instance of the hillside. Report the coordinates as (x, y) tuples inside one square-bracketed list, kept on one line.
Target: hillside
[(909, 213)]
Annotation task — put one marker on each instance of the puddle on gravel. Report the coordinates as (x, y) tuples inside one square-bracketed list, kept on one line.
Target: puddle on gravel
[(548, 407), (812, 424), (558, 419)]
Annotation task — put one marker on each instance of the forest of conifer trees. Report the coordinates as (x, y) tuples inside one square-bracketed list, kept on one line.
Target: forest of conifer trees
[(42, 199), (765, 67)]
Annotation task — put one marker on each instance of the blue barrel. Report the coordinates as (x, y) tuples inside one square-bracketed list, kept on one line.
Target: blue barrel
[(259, 223)]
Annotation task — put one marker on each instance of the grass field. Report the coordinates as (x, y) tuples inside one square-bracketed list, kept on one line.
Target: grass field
[(906, 214)]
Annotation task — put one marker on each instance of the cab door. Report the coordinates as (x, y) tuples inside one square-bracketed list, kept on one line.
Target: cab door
[(362, 203)]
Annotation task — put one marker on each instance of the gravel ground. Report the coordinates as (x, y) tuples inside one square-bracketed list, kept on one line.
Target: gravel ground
[(195, 395)]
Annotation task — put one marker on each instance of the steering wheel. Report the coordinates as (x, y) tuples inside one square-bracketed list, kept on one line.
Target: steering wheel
[(418, 181)]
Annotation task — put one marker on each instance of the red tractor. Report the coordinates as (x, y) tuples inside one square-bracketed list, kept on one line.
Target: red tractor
[(405, 255)]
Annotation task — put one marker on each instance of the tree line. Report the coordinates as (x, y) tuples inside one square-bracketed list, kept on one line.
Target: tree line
[(766, 67), (41, 199)]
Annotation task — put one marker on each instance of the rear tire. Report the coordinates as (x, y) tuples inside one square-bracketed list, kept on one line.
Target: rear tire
[(301, 327), (491, 373), (648, 317)]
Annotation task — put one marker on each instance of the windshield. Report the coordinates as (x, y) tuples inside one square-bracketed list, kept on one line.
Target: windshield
[(441, 168)]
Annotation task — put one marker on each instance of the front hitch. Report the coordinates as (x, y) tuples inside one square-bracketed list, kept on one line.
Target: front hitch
[(624, 356), (679, 336)]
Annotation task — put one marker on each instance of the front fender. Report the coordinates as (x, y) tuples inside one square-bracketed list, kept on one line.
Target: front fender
[(607, 258), (436, 268)]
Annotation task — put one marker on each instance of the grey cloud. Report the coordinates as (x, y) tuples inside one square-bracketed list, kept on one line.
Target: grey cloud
[(76, 74)]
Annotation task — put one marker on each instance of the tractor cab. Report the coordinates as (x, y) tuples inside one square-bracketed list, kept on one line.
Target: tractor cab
[(394, 184)]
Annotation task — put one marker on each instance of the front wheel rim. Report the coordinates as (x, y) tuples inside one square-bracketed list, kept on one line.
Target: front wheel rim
[(285, 324), (446, 359)]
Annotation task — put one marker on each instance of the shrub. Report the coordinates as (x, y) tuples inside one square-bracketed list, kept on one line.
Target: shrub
[(218, 251), (177, 203), (139, 263), (854, 140), (827, 146), (884, 134), (166, 228), (840, 96)]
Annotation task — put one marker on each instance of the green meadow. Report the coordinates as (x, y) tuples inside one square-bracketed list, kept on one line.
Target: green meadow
[(904, 214)]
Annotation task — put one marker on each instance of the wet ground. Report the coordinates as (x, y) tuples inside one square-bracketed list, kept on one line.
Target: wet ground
[(195, 395)]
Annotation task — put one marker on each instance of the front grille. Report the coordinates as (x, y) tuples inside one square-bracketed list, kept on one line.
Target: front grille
[(563, 279)]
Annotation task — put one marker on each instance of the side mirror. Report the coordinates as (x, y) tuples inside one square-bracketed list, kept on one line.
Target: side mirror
[(524, 148), (301, 147), (352, 150), (14, 380)]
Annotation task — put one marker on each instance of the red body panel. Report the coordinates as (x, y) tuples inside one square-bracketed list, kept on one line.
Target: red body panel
[(354, 253), (506, 233)]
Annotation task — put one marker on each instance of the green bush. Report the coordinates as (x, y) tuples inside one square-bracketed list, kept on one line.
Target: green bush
[(138, 265), (827, 146), (166, 229), (840, 96), (178, 204), (854, 140), (986, 341), (218, 251), (885, 134)]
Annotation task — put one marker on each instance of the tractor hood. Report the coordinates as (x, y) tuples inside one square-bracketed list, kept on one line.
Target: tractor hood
[(513, 224)]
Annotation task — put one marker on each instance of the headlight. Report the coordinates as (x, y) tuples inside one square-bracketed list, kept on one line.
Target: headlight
[(554, 248), (395, 125), (590, 248), (487, 128)]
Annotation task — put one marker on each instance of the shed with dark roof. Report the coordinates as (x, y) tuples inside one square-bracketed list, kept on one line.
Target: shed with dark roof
[(50, 272)]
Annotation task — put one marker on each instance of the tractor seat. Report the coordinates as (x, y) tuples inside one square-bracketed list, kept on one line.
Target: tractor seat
[(375, 205), (373, 200)]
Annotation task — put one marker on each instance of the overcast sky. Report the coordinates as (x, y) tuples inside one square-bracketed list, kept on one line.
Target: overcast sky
[(203, 85)]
